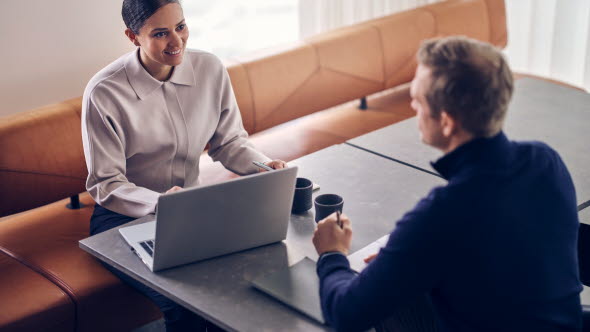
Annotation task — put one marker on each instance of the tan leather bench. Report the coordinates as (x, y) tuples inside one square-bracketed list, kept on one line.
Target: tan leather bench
[(294, 101), (29, 294)]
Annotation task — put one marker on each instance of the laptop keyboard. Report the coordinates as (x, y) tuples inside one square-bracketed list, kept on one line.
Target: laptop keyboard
[(148, 246)]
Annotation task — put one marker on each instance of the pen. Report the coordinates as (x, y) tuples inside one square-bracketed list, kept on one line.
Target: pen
[(338, 222), (263, 166)]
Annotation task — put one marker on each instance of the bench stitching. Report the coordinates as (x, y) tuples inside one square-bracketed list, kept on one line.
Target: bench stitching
[(316, 70), (52, 278), (487, 10), (253, 99), (40, 173), (352, 75), (382, 53)]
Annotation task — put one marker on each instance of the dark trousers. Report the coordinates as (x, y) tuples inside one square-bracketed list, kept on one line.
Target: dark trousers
[(176, 317)]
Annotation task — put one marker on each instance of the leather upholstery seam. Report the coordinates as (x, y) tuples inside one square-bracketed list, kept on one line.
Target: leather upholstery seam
[(382, 54), (351, 75), (51, 278), (488, 16), (311, 75), (40, 173), (320, 66), (251, 93), (284, 101), (406, 63), (436, 23), (255, 110)]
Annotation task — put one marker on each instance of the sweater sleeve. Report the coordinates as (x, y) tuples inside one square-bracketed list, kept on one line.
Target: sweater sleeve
[(408, 266), (104, 150), (229, 143)]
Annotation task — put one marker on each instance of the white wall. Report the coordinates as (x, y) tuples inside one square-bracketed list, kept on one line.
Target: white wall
[(50, 49)]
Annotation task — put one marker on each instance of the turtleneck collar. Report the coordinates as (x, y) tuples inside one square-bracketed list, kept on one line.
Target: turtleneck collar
[(479, 153)]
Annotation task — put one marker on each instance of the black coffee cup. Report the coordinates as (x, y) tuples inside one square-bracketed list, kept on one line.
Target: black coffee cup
[(327, 204), (302, 195)]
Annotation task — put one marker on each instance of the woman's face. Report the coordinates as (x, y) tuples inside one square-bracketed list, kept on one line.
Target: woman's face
[(162, 40)]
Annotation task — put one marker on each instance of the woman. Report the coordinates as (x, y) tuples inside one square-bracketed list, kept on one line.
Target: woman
[(147, 117)]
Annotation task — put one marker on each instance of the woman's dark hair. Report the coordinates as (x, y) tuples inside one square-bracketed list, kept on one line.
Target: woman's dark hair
[(136, 12)]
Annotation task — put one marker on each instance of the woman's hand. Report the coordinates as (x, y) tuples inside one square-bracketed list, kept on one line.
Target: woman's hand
[(276, 164), (173, 189)]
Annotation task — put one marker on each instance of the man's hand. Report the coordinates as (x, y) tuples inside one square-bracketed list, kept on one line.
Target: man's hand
[(328, 236), (370, 258), (276, 164), (173, 189)]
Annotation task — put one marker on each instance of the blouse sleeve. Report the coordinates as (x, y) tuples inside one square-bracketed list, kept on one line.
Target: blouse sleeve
[(229, 143), (104, 150)]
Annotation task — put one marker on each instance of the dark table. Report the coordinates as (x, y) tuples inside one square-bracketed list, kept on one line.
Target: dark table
[(376, 194), (399, 142), (540, 110)]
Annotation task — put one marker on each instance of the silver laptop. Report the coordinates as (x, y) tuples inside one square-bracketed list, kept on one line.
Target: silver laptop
[(209, 221)]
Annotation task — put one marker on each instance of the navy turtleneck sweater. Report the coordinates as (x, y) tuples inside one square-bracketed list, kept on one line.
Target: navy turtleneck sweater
[(495, 249)]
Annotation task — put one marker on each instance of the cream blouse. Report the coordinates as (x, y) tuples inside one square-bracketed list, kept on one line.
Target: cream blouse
[(142, 136)]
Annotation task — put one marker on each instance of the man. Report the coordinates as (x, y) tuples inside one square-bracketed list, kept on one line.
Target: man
[(494, 249)]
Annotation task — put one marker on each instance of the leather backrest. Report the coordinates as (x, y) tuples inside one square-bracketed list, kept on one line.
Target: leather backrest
[(42, 158), (351, 62)]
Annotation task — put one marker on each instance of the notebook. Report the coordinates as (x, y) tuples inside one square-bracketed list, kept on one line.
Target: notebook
[(297, 286)]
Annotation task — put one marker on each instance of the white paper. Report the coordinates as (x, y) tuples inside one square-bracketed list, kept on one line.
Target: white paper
[(356, 259)]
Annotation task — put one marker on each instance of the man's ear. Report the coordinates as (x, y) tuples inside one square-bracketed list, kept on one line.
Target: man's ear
[(132, 37), (448, 124)]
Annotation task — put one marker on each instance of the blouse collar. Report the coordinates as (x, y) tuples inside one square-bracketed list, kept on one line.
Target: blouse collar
[(144, 84)]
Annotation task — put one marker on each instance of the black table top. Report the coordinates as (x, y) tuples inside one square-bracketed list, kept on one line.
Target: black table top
[(376, 191), (539, 110)]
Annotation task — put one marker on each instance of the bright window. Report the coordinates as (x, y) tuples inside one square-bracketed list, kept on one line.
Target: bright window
[(233, 27)]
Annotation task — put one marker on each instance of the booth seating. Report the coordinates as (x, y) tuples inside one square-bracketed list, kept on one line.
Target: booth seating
[(294, 100)]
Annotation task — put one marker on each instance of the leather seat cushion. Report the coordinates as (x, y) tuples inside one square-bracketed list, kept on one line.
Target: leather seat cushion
[(30, 302), (47, 237)]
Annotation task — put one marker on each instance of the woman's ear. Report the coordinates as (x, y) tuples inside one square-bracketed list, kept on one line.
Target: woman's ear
[(132, 37)]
